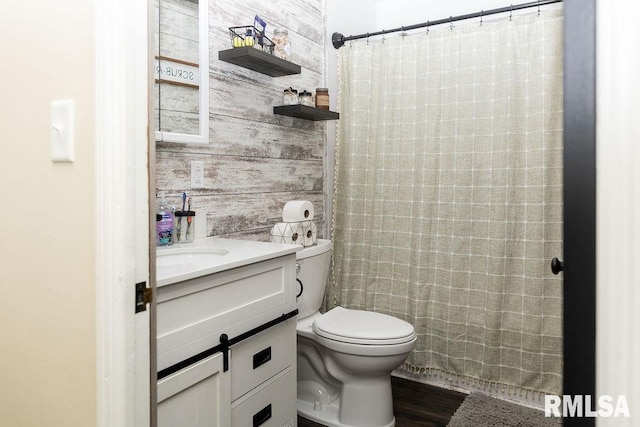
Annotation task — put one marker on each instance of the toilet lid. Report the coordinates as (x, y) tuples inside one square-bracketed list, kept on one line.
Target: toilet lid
[(363, 327)]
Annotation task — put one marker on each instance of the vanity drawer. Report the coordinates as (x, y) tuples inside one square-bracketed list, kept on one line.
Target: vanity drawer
[(262, 356), (272, 405)]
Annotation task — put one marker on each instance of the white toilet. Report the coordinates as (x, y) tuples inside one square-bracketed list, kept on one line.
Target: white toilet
[(345, 357)]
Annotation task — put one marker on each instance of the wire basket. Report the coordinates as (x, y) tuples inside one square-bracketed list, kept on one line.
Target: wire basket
[(294, 233), (250, 36)]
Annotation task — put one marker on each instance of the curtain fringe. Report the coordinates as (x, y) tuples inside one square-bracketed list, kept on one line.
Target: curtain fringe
[(331, 300), (523, 396)]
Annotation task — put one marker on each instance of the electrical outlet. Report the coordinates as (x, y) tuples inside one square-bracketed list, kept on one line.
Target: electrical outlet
[(197, 174)]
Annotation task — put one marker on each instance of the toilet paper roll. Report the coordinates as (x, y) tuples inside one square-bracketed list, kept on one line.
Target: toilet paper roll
[(297, 210), (310, 231), (288, 232)]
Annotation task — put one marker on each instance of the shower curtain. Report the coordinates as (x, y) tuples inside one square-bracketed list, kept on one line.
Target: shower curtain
[(448, 197)]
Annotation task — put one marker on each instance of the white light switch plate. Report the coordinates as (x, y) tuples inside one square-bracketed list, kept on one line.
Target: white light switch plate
[(62, 134)]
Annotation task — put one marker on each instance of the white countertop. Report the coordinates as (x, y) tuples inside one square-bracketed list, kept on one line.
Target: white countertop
[(225, 254)]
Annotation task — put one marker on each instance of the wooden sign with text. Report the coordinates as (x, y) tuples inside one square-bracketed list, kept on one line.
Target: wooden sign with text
[(177, 72)]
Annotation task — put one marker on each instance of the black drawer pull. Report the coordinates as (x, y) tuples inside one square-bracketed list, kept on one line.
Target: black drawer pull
[(261, 357), (262, 416)]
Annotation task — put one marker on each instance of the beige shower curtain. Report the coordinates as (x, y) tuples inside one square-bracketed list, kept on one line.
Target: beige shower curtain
[(448, 197)]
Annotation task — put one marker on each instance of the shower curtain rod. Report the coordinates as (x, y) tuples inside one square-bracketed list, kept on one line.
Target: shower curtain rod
[(338, 39)]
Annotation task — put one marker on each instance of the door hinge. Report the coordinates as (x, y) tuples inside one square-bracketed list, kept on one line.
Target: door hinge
[(144, 296)]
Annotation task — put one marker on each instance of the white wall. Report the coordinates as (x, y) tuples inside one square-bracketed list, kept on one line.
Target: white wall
[(47, 303)]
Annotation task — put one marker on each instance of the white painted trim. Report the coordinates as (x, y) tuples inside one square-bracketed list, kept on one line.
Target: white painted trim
[(121, 79), (203, 35), (618, 206)]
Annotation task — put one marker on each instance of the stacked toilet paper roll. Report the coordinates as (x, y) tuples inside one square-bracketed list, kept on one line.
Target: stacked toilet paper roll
[(297, 210), (297, 227)]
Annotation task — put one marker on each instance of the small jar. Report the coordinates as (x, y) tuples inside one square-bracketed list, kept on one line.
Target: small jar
[(282, 46), (322, 98), (305, 98), (290, 96), (249, 41)]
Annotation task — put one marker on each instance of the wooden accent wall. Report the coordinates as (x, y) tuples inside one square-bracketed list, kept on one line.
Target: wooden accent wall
[(255, 161)]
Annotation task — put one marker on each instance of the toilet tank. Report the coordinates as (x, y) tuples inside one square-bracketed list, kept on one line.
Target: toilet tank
[(314, 263)]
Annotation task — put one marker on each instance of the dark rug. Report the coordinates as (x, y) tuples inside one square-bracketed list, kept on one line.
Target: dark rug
[(480, 410)]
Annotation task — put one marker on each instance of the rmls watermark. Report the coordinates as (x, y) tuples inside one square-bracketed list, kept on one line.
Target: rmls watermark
[(580, 406)]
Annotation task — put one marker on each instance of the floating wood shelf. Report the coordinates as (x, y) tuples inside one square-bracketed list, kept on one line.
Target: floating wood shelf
[(257, 60), (304, 112)]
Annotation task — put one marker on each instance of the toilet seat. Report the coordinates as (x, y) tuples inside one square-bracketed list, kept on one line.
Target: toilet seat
[(363, 327)]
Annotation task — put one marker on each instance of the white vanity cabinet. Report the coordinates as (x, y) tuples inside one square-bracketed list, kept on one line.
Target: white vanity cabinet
[(227, 342), (196, 396)]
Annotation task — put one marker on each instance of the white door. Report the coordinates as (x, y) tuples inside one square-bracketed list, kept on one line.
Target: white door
[(123, 352)]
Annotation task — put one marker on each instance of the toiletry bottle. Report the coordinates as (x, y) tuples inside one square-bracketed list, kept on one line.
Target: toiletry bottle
[(164, 224)]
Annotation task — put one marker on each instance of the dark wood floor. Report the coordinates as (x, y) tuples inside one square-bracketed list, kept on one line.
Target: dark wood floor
[(417, 405)]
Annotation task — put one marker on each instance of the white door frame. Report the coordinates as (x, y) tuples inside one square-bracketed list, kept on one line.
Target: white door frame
[(122, 212), (618, 208)]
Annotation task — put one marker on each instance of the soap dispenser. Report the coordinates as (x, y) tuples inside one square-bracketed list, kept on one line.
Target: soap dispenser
[(164, 224)]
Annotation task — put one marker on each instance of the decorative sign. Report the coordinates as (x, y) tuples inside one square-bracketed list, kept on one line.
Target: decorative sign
[(177, 72)]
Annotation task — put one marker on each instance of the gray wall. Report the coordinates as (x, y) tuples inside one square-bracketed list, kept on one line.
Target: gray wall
[(255, 161)]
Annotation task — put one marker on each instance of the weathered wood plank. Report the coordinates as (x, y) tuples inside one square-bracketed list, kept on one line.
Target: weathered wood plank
[(238, 213), (237, 136), (228, 174), (235, 213), (231, 135), (233, 97), (255, 161)]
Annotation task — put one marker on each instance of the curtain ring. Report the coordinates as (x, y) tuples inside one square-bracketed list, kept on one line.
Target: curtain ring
[(450, 23), (428, 24), (402, 32), (384, 35), (538, 7), (481, 17), (367, 39), (511, 13)]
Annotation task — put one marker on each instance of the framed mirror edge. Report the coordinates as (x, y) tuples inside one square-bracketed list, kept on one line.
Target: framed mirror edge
[(203, 117)]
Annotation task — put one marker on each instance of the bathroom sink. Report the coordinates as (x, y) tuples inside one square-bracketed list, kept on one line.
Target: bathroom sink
[(210, 255), (176, 261)]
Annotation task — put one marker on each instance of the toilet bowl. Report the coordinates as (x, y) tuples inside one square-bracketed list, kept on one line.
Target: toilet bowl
[(345, 357)]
